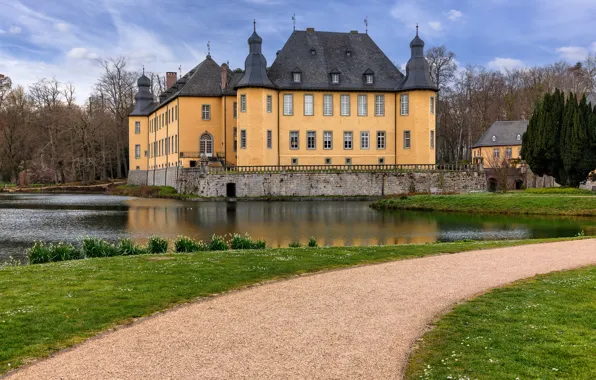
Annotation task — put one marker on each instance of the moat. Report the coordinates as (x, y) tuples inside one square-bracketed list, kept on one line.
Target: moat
[(25, 218)]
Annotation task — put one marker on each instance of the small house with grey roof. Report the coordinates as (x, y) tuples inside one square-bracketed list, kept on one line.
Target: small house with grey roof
[(328, 98), (502, 140)]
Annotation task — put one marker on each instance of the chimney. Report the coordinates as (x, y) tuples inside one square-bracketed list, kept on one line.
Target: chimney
[(171, 77), (224, 76), (310, 30)]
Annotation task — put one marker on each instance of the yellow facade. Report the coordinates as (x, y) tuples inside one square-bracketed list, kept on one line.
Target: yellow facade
[(171, 134), (488, 154)]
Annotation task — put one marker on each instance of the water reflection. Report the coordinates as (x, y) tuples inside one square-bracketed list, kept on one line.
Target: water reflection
[(25, 218)]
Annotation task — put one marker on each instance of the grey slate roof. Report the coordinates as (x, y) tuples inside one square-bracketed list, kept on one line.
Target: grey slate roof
[(417, 70), (255, 65), (506, 133), (143, 98), (330, 55)]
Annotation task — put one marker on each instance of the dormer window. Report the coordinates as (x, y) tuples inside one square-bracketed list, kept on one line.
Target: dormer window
[(369, 79), (313, 52), (518, 137), (296, 76), (335, 78), (348, 53), (494, 138)]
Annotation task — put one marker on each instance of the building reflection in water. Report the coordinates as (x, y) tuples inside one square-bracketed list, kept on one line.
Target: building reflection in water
[(280, 223)]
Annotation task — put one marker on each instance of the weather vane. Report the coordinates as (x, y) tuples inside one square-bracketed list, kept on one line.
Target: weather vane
[(143, 69), (416, 29), (208, 47), (294, 20), (180, 70), (366, 23)]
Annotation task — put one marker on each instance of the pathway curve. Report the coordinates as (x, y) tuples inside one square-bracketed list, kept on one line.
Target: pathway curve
[(349, 324)]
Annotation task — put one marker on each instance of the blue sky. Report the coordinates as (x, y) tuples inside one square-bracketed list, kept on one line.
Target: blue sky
[(64, 38)]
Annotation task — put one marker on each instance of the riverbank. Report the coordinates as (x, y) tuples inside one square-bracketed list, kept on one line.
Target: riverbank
[(522, 203), (535, 329), (48, 307), (75, 188)]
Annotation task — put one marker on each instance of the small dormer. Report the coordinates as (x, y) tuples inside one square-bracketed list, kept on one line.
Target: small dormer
[(313, 51), (518, 137), (334, 76), (348, 53), (296, 75), (494, 138), (368, 77)]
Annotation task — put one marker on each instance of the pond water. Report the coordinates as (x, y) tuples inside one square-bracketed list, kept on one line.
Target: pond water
[(25, 218)]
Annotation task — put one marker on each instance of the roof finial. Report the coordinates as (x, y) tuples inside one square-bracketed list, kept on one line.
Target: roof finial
[(143, 69), (180, 70), (366, 23), (208, 48), (254, 23), (294, 20), (416, 29)]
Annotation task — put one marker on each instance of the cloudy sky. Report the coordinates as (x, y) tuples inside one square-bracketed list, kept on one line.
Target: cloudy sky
[(65, 38)]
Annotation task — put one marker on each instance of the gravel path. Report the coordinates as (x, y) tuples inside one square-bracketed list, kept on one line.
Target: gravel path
[(358, 323)]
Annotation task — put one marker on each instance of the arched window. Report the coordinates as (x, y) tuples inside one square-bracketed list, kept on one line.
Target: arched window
[(494, 138), (518, 137), (206, 145)]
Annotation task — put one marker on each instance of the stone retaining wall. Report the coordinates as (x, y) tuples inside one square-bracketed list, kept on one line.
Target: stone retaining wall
[(327, 184)]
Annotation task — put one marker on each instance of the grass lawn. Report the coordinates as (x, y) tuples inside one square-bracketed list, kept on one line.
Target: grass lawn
[(44, 308), (543, 328), (148, 192), (527, 202)]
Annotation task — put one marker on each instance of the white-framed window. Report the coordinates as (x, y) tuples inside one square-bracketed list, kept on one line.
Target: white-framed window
[(379, 105), (137, 127), (407, 140), (269, 103), (348, 140), (405, 104), (269, 139), (345, 105), (288, 104), (294, 140), (137, 151), (309, 106), (362, 105), (381, 140), (432, 105), (518, 137), (311, 140), (508, 152), (335, 78), (206, 145), (243, 103), (496, 153), (369, 79), (364, 140), (235, 110), (328, 140), (206, 108), (243, 139), (297, 77), (328, 105), (432, 139), (235, 139)]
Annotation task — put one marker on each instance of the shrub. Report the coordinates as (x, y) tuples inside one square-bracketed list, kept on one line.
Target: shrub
[(157, 245), (39, 253), (186, 245), (96, 247), (245, 242), (65, 252), (218, 243), (312, 242), (295, 244), (127, 247)]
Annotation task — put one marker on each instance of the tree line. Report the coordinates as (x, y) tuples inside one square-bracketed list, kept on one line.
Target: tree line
[(45, 133)]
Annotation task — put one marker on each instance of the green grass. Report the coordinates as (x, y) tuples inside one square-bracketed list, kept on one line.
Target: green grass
[(543, 328), (47, 307), (528, 203), (560, 190), (148, 192)]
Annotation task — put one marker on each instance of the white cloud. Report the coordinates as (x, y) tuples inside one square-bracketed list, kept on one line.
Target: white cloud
[(593, 47), (435, 25), (572, 53), (81, 53), (61, 26), (504, 64), (454, 15), (15, 30)]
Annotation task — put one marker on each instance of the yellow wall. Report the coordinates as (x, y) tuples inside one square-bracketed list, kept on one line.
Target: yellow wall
[(256, 121), (231, 122), (337, 124), (165, 134), (487, 153), (420, 122), (192, 126), (138, 139)]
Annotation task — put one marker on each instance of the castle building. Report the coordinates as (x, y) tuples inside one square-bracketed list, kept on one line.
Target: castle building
[(503, 140), (328, 99)]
